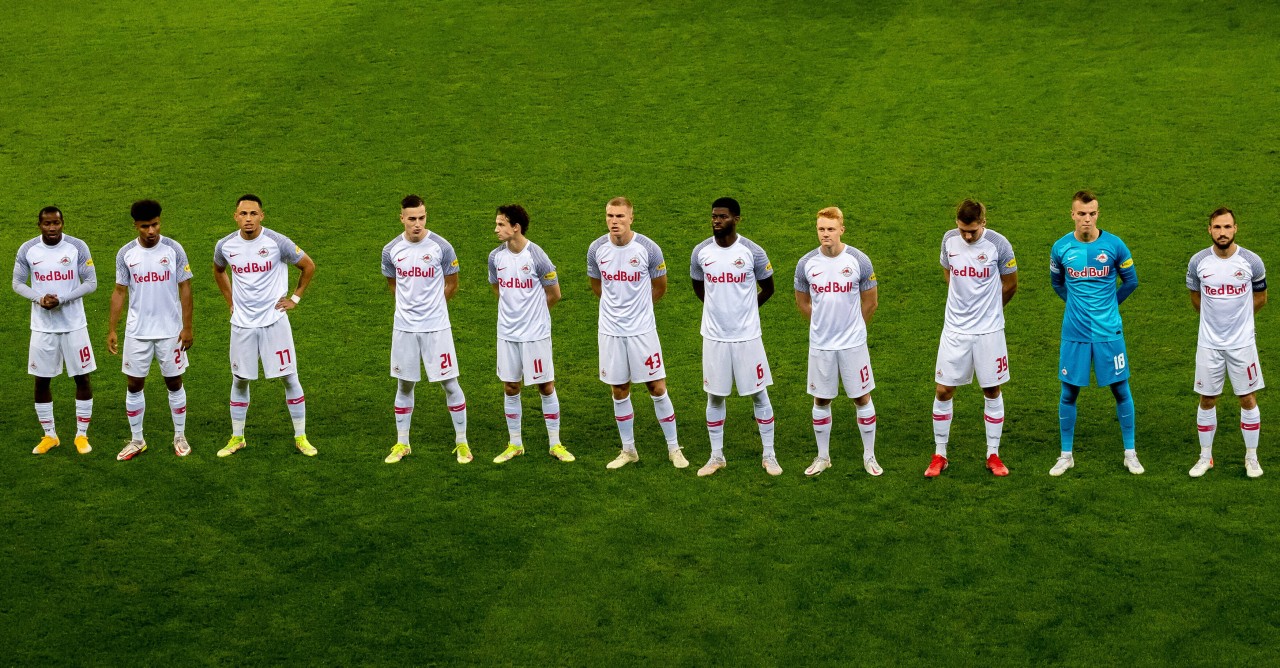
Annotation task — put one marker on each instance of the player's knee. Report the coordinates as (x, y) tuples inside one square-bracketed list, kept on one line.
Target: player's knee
[(405, 387), (1121, 392), (1069, 394), (511, 389), (657, 388), (1212, 402), (173, 383), (944, 392), (991, 392), (135, 384), (43, 384), (862, 400), (621, 392), (820, 402), (548, 388), (715, 400), (1248, 401), (82, 382), (760, 399)]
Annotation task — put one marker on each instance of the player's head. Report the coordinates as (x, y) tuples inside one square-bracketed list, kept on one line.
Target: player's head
[(146, 219), (971, 219), (249, 214), (1222, 227), (725, 214), (511, 222), (50, 221), (1084, 211), (830, 227), (413, 213), (618, 215)]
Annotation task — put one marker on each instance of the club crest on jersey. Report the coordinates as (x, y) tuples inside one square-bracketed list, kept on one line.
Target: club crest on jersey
[(525, 269), (634, 261), (64, 261), (164, 261), (1102, 257), (396, 368), (1239, 275), (235, 366), (739, 263), (262, 252), (846, 272), (982, 257), (426, 257)]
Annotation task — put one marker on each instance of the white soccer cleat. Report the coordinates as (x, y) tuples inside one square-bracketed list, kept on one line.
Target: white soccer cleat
[(625, 457), (714, 464), (131, 449), (872, 466), (180, 446), (1202, 467), (1131, 462), (1064, 462), (1252, 468), (819, 465), (677, 458), (770, 464)]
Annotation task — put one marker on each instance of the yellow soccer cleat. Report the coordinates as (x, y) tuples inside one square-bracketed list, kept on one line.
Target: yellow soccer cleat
[(46, 444), (236, 444), (304, 446), (511, 452), (463, 451), (559, 452), (82, 444), (398, 451)]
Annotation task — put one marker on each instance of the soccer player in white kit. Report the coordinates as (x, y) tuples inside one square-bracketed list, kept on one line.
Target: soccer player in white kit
[(836, 291), (259, 300), (61, 272), (982, 276), (1228, 285), (726, 270), (422, 271), (153, 273), (525, 283), (629, 275)]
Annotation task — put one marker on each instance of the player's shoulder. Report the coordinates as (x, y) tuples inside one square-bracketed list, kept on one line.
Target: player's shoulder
[(1065, 240), (127, 248), (276, 237), (171, 244), (1112, 239), (227, 239), (600, 241), (750, 245), (28, 245), (391, 245), (951, 234), (702, 245), (76, 243), (1248, 255), (1201, 256), (856, 253), (804, 259), (645, 243), (440, 241), (993, 236), (535, 250)]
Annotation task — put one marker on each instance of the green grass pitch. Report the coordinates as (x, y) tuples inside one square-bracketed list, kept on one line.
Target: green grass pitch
[(333, 110)]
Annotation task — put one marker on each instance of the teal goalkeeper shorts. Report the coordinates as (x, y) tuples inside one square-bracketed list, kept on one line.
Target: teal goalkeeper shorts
[(1107, 358)]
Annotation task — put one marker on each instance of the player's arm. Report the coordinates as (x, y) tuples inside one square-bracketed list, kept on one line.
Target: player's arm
[(308, 268), (659, 287), (1008, 286), (700, 290), (1128, 280), (1057, 278), (1195, 300), (21, 272), (553, 293), (186, 338), (88, 279), (1259, 295), (224, 284), (766, 290), (870, 300), (804, 304), (946, 276), (118, 295), (450, 286), (596, 286)]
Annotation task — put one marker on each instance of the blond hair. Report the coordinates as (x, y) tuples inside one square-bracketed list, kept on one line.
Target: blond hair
[(832, 213), (620, 201)]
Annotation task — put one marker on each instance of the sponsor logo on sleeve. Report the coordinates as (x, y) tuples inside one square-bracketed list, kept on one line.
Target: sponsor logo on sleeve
[(872, 277), (662, 266), (186, 268), (298, 250), (89, 262), (454, 263), (1126, 264), (549, 276), (768, 266), (1012, 263)]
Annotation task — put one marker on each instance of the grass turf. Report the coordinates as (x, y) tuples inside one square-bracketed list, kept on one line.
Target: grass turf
[(334, 110)]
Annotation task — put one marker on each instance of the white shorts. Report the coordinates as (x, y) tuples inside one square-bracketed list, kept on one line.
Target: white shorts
[(273, 345), (1213, 366), (631, 359), (729, 363), (410, 351), (138, 353), (960, 356), (529, 361), (828, 368), (50, 352)]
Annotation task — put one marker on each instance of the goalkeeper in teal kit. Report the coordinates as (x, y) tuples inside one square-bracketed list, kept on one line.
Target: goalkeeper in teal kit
[(1083, 267)]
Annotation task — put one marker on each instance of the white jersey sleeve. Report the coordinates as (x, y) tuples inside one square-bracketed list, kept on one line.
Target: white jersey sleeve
[(835, 286), (975, 301), (419, 269), (64, 270), (1226, 287), (542, 266), (593, 270), (626, 276), (22, 273), (388, 266), (730, 311), (290, 253)]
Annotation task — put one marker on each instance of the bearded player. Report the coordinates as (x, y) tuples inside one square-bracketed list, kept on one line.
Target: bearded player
[(836, 291), (1228, 285), (732, 278), (422, 270), (61, 272), (153, 274), (260, 302), (1083, 267), (982, 275)]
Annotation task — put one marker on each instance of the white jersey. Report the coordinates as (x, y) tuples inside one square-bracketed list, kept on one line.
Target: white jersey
[(419, 270), (1226, 287), (625, 274), (975, 296), (152, 276), (835, 286), (64, 270), (261, 274), (522, 301), (729, 310)]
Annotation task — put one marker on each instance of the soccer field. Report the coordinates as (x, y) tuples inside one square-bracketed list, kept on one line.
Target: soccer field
[(894, 111)]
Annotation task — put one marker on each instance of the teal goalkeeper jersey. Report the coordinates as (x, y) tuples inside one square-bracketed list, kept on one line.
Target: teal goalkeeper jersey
[(1084, 276)]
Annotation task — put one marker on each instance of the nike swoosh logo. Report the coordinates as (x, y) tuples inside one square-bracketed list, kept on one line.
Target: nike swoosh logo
[(708, 264), (656, 371), (604, 262), (1205, 275), (401, 258), (35, 263), (815, 274), (233, 255), (502, 268), (283, 368), (537, 377), (760, 383), (135, 264), (952, 254)]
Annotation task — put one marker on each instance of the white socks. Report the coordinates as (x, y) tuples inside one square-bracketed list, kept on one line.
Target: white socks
[(456, 401), (1207, 426), (624, 415), (822, 429), (239, 405), (666, 414), (44, 413), (178, 409), (1250, 426), (941, 426), (715, 424), (297, 404), (135, 405), (84, 412), (551, 415), (513, 410), (403, 410), (764, 419), (993, 416), (867, 426)]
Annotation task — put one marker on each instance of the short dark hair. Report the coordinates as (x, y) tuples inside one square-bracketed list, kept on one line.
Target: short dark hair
[(49, 209), (728, 203), (411, 202), (1083, 197), (970, 211), (516, 215), (249, 197), (1222, 211), (145, 209)]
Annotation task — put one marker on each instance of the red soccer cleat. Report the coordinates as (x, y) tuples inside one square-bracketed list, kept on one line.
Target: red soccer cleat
[(936, 467), (997, 467)]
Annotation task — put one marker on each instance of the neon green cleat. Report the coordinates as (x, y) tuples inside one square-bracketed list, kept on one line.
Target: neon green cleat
[(304, 446), (236, 444), (559, 452), (511, 451), (463, 451), (398, 451)]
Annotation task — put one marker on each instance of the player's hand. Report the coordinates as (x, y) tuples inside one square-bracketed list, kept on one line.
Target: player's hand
[(49, 302), (185, 339), (111, 343), (285, 304)]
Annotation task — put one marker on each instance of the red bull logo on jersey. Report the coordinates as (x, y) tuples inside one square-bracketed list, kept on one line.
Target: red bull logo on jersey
[(725, 277), (1239, 275), (634, 261), (416, 272), (739, 263), (253, 267), (620, 275), (846, 272), (55, 275), (1089, 272), (152, 277), (982, 257), (831, 288), (971, 272), (262, 252), (64, 261), (426, 258), (516, 283), (1227, 290), (164, 262)]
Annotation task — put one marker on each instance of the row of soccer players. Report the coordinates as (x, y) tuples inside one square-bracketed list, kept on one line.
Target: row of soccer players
[(835, 288)]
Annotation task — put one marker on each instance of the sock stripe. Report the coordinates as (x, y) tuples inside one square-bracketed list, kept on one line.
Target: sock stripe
[(764, 421), (715, 423), (941, 418), (993, 420), (550, 416), (1206, 427), (239, 404), (624, 418), (669, 418), (86, 420), (459, 408), (513, 416), (133, 413), (404, 410), (179, 410), (1250, 426), (295, 402), (818, 422), (867, 420)]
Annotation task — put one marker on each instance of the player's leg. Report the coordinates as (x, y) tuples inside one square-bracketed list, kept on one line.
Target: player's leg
[(1066, 428), (665, 412), (953, 368), (993, 419), (717, 381), (78, 354), (1245, 370), (716, 412), (991, 365), (1110, 361), (538, 356), (1250, 429), (512, 372), (441, 361), (752, 377), (178, 411), (644, 354), (44, 360), (135, 408), (859, 380), (616, 371), (279, 358), (1211, 374), (84, 413), (244, 368), (406, 368), (823, 382)]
